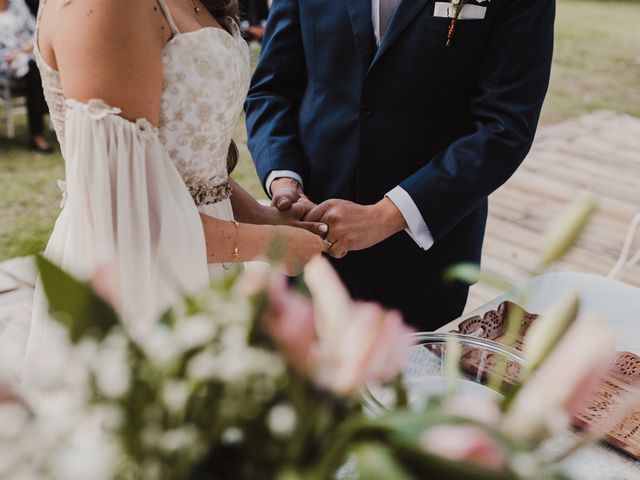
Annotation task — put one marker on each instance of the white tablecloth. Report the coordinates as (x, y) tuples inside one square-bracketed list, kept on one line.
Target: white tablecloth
[(619, 304)]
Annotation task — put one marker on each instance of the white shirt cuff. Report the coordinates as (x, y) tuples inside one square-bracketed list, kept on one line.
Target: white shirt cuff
[(416, 226), (280, 174)]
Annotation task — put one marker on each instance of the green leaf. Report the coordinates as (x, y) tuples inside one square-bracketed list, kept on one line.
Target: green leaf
[(565, 229), (542, 338), (427, 466), (376, 462), (74, 303), (545, 333), (404, 437), (471, 273)]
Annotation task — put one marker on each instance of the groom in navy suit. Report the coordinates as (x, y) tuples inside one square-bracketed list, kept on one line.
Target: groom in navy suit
[(392, 122)]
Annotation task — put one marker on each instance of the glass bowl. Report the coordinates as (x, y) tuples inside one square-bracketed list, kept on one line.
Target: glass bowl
[(425, 377)]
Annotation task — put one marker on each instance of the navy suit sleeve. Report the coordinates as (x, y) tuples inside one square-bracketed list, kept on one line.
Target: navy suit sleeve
[(276, 92), (512, 85)]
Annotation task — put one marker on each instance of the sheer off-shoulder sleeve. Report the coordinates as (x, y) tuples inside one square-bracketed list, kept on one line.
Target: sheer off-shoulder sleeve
[(126, 211)]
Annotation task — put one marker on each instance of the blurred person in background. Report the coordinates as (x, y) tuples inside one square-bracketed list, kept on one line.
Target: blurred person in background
[(33, 6), (254, 15), (17, 26)]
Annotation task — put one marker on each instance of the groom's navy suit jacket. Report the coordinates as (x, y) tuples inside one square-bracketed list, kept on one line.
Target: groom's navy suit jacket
[(447, 124)]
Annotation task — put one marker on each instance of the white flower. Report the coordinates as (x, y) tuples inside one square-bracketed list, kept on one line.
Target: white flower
[(13, 418), (113, 379), (160, 346), (231, 435), (87, 453), (87, 350), (111, 369), (111, 416), (202, 366), (178, 439), (282, 420), (193, 332), (175, 396)]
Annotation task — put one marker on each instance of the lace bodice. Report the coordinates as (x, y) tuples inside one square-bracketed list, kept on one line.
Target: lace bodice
[(206, 79)]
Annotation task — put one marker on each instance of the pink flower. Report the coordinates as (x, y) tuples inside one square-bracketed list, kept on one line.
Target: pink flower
[(464, 443), (254, 280), (358, 342), (340, 344), (564, 381), (474, 408), (5, 396), (289, 321)]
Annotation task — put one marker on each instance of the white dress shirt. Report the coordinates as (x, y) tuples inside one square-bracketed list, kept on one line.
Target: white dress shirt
[(416, 226)]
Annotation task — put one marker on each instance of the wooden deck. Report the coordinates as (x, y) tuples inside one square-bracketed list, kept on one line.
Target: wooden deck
[(598, 153)]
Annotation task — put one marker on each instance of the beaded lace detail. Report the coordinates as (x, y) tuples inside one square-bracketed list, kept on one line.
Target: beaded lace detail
[(206, 79)]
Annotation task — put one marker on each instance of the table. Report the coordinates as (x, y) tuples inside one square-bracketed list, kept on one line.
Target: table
[(619, 304)]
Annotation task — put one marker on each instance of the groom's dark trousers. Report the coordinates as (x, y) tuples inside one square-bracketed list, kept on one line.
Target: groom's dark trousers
[(447, 124)]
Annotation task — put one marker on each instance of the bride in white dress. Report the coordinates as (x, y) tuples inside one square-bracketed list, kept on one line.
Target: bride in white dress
[(144, 97)]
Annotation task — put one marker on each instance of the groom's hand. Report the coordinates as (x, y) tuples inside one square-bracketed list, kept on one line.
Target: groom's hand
[(356, 227), (285, 192)]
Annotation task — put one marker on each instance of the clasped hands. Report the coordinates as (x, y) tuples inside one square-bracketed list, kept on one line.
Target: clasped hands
[(349, 226)]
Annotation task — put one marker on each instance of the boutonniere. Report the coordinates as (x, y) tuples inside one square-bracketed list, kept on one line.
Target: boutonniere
[(454, 13)]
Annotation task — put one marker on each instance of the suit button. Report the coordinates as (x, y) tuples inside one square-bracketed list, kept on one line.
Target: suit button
[(366, 110)]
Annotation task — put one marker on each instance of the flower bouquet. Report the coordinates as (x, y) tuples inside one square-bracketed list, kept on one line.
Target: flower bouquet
[(254, 379)]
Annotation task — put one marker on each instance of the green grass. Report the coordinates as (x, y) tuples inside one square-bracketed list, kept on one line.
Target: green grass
[(596, 66), (29, 196), (597, 59)]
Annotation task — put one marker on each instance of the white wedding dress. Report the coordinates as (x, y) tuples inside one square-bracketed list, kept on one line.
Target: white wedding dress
[(133, 191)]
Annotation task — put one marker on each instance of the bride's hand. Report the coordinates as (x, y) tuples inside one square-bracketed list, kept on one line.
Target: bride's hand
[(293, 217), (299, 246)]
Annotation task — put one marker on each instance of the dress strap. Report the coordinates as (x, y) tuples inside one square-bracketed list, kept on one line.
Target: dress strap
[(167, 14)]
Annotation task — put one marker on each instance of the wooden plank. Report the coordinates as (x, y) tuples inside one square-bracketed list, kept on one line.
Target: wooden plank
[(599, 153)]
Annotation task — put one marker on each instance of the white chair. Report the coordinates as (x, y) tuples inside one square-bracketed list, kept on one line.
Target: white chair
[(11, 97)]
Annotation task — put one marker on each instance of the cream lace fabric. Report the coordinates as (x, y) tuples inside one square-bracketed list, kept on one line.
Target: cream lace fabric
[(130, 188), (206, 79), (203, 94)]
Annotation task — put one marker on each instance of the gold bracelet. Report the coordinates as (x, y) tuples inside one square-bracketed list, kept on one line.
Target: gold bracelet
[(236, 252)]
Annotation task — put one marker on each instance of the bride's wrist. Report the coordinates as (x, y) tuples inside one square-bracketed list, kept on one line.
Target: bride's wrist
[(266, 215)]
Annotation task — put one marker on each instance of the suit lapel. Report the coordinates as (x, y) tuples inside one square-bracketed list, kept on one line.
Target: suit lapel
[(360, 15), (406, 12)]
